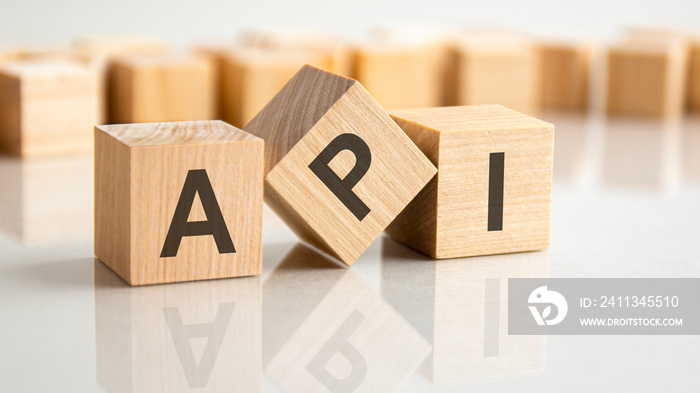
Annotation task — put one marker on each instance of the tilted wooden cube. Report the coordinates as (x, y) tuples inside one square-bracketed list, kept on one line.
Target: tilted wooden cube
[(495, 71), (47, 108), (338, 169), (400, 75), (492, 194), (565, 78), (206, 336), (647, 78), (146, 89), (178, 201)]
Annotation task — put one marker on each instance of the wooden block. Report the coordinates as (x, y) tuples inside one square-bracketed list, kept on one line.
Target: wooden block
[(112, 46), (492, 194), (325, 329), (694, 76), (150, 227), (250, 77), (565, 74), (504, 71), (334, 51), (47, 108), (646, 78), (200, 336), (461, 308), (338, 170), (9, 52), (400, 75), (156, 89)]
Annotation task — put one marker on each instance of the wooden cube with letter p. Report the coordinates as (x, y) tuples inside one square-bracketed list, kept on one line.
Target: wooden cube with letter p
[(178, 201), (338, 169), (492, 194)]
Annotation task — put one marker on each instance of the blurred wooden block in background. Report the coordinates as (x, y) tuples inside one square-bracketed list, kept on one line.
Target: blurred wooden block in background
[(250, 77), (146, 89), (565, 75), (334, 51), (338, 169), (150, 227), (400, 75), (694, 76), (120, 45), (492, 194), (504, 71), (646, 78), (9, 52), (47, 107)]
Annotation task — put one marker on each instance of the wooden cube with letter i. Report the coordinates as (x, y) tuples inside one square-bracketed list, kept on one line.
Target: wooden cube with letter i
[(338, 169), (178, 201), (492, 194)]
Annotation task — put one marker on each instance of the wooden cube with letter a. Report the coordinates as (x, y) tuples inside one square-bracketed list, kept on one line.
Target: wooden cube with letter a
[(178, 201), (338, 169), (492, 194)]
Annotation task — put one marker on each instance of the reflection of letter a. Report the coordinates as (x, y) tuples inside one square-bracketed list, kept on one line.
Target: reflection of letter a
[(198, 375), (339, 343)]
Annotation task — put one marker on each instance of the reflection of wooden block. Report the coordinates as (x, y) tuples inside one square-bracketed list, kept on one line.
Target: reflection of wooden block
[(178, 201), (461, 308), (38, 198), (493, 190), (325, 329), (565, 75), (338, 169), (646, 79), (154, 89), (497, 71), (400, 76), (251, 77), (643, 153), (47, 107), (203, 336)]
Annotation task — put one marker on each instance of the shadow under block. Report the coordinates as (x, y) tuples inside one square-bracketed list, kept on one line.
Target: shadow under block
[(565, 75), (250, 77), (646, 79), (198, 336), (47, 108), (492, 194), (338, 169), (326, 330), (156, 89), (178, 201), (495, 71), (400, 76)]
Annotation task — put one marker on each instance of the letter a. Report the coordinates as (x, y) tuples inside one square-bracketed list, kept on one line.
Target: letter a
[(197, 182)]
